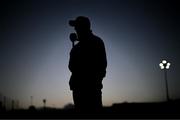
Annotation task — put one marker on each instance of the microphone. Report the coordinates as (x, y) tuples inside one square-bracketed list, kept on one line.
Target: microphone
[(73, 38)]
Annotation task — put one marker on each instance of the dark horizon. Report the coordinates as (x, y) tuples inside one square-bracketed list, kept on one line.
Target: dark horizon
[(123, 110), (138, 35)]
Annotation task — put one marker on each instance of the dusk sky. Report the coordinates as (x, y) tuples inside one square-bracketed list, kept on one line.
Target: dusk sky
[(138, 34)]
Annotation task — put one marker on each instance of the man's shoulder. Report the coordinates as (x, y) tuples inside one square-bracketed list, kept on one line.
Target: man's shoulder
[(97, 39)]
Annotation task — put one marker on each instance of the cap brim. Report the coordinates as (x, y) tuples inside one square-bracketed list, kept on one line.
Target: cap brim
[(72, 23)]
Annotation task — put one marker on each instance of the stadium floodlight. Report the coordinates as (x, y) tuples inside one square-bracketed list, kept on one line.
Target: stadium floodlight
[(164, 61), (164, 65)]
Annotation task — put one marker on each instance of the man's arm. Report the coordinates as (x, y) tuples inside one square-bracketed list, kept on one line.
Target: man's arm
[(70, 66), (102, 59)]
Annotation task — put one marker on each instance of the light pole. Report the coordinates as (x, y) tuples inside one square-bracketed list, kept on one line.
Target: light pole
[(44, 101), (164, 65), (31, 100)]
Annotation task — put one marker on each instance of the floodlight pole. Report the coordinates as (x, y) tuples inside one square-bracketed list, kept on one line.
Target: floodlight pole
[(166, 82), (31, 100), (164, 65)]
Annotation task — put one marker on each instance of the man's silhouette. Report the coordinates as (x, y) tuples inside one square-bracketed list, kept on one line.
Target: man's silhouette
[(88, 66)]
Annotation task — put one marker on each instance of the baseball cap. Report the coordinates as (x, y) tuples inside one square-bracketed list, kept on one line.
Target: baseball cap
[(80, 21)]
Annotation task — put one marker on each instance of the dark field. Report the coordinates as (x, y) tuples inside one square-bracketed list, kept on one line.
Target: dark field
[(123, 110)]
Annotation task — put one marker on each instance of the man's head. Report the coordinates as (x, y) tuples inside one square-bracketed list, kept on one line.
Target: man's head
[(82, 25), (80, 22)]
